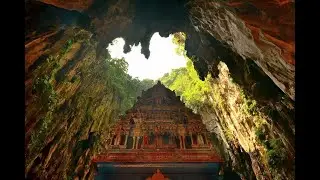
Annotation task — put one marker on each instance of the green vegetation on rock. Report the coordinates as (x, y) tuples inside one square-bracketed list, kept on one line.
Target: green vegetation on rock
[(66, 48), (45, 92), (179, 39), (68, 119), (240, 116), (276, 155), (187, 84), (127, 88)]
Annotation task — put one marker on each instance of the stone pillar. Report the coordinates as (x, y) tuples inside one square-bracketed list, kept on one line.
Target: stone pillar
[(184, 142), (134, 142), (117, 141), (206, 137), (191, 139), (125, 142), (200, 139), (137, 142), (113, 140)]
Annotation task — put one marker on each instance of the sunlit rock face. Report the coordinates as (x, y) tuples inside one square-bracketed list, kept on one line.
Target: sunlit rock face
[(249, 134), (255, 39), (254, 31), (69, 105)]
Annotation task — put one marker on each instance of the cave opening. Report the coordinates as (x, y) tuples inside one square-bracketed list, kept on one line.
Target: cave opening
[(239, 84), (166, 53)]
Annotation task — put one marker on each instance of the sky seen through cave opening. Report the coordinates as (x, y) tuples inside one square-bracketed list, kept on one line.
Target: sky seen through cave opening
[(163, 57)]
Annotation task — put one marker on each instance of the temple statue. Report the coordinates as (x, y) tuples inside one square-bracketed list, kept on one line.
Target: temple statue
[(157, 176), (140, 139), (158, 129), (145, 139)]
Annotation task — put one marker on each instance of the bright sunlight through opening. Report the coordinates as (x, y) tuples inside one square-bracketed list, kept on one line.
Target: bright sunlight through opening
[(163, 57)]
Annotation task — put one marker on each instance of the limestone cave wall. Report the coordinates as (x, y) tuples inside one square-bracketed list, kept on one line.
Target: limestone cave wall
[(67, 94), (255, 139), (69, 105)]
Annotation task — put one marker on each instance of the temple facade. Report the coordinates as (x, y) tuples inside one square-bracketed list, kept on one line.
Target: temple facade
[(158, 137)]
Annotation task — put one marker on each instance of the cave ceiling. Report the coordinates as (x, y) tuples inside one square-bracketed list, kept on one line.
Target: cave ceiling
[(254, 38)]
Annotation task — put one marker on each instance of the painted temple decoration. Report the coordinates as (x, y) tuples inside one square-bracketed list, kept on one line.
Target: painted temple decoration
[(159, 128)]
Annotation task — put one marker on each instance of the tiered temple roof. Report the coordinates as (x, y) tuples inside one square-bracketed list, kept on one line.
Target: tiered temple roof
[(159, 128)]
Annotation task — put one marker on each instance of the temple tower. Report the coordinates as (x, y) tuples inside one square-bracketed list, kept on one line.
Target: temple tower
[(159, 133)]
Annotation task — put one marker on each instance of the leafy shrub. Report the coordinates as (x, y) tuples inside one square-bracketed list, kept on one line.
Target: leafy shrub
[(39, 136), (252, 104), (228, 134), (260, 135), (275, 158), (274, 147), (73, 79), (126, 87), (276, 154), (56, 65), (66, 48), (45, 91)]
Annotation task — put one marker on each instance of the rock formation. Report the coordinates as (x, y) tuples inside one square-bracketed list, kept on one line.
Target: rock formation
[(68, 104), (65, 47)]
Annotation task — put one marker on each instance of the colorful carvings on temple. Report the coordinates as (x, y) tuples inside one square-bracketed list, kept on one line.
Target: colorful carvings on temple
[(159, 128)]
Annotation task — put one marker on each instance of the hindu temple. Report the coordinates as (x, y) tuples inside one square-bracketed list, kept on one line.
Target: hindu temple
[(159, 138)]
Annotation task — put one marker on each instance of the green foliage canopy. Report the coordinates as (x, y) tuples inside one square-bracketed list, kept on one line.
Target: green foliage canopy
[(186, 83), (179, 39), (127, 87)]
